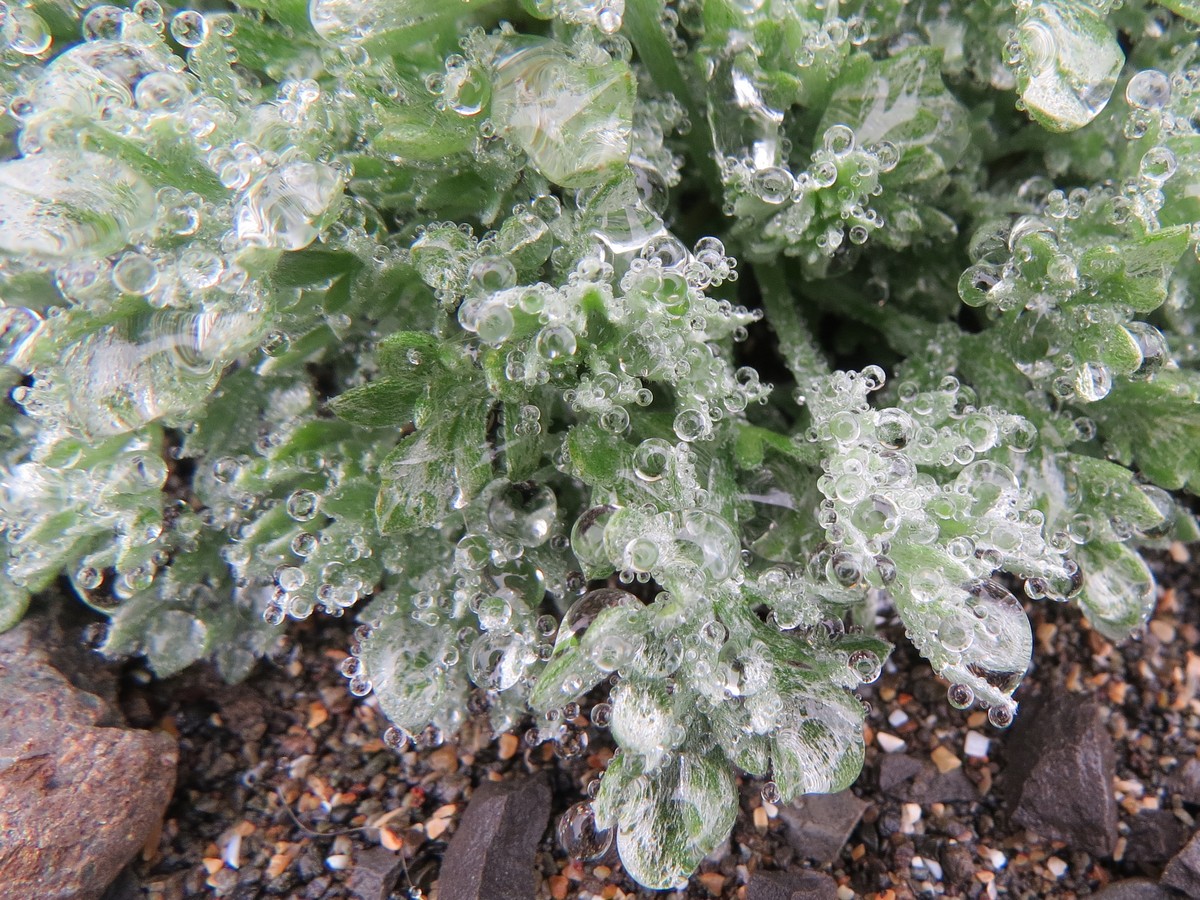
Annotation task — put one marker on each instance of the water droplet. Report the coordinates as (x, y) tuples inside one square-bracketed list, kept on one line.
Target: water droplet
[(960, 696), (189, 28), (771, 793), (303, 505), (866, 665), (583, 612), (1000, 716), (1148, 89), (580, 837)]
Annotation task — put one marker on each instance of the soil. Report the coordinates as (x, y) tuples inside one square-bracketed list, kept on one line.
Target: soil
[(287, 789)]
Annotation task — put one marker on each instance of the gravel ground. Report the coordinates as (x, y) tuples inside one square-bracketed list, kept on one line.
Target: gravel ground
[(286, 788)]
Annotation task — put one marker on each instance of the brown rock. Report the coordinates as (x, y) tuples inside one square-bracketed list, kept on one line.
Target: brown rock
[(78, 798), (1060, 772)]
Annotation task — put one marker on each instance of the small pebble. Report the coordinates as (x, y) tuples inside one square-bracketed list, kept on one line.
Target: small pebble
[(910, 815), (945, 759), (338, 861), (897, 718), (1057, 867), (889, 743), (977, 745)]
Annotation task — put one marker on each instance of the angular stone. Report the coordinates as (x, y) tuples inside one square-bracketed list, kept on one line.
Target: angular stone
[(1060, 771), (818, 825), (376, 872), (492, 854), (1183, 872), (1185, 781), (78, 799), (1133, 889), (916, 780), (1155, 835), (791, 886)]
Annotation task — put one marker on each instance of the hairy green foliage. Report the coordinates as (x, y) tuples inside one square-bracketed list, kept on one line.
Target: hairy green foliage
[(459, 317)]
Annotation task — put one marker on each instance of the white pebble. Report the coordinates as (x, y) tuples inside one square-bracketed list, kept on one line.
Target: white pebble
[(995, 857), (910, 815), (977, 744), (338, 861), (889, 743), (232, 853), (897, 718), (931, 866), (1057, 867)]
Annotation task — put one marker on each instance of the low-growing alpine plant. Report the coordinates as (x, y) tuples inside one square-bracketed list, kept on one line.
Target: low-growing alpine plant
[(460, 316)]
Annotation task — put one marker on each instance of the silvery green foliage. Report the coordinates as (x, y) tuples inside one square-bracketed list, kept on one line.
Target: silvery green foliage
[(397, 308)]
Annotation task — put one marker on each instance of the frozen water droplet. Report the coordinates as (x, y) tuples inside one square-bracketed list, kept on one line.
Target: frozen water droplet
[(652, 459), (866, 665), (587, 536), (525, 512), (583, 612), (580, 837), (287, 208), (1070, 63), (189, 28), (573, 119)]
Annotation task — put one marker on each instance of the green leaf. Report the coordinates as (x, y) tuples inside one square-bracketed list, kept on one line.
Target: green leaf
[(1118, 589), (405, 353), (313, 265), (1153, 425), (522, 452), (14, 600), (1187, 9), (436, 470), (1108, 490), (817, 746), (1071, 60), (388, 401), (669, 819)]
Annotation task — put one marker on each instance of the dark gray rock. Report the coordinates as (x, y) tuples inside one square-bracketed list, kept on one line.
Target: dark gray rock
[(1185, 781), (1133, 889), (791, 886), (78, 797), (916, 780), (1060, 771), (492, 854), (1183, 872), (375, 874), (818, 825), (1155, 835)]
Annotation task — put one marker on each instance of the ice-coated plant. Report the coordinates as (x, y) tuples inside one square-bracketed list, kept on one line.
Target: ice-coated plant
[(430, 311)]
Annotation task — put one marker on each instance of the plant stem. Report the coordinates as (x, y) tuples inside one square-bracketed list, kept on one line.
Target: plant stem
[(804, 360)]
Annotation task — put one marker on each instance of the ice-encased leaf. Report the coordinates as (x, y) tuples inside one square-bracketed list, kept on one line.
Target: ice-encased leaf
[(1070, 63), (436, 470), (400, 660), (817, 747), (972, 631), (644, 721), (1107, 490), (587, 648), (902, 100), (1118, 588), (60, 206), (573, 118), (669, 819)]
